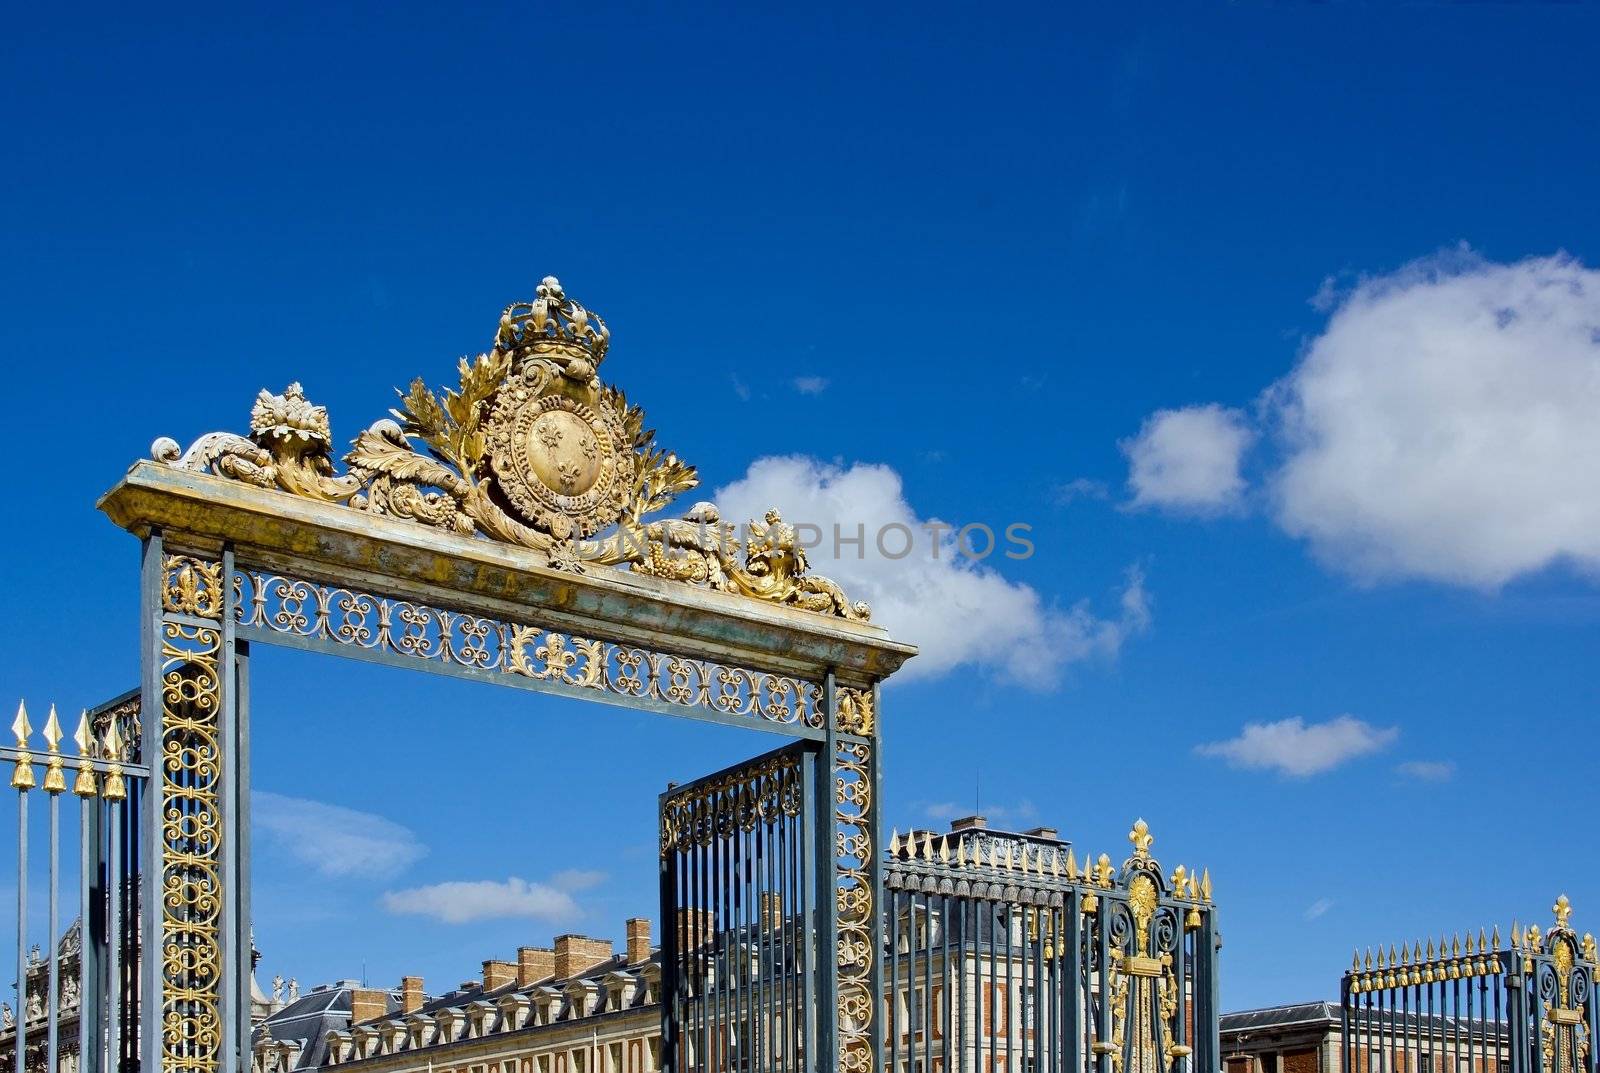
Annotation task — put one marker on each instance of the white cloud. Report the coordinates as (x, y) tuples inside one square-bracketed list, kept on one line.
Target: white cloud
[(1427, 770), (1318, 908), (463, 902), (959, 611), (332, 839), (1292, 747), (1188, 460), (811, 385), (1443, 425), (573, 880)]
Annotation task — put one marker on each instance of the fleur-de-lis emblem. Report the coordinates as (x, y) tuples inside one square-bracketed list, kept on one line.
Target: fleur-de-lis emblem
[(550, 435)]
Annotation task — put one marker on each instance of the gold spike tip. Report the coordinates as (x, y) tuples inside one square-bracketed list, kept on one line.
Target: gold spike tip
[(83, 735), (20, 726), (114, 742), (52, 731)]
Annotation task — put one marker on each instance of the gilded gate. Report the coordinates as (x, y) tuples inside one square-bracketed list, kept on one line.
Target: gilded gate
[(1475, 1005), (508, 530)]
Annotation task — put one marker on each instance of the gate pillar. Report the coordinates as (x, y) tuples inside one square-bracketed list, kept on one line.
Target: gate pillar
[(848, 829), (194, 939)]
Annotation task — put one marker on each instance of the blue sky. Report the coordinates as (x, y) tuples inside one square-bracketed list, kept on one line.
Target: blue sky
[(1184, 289)]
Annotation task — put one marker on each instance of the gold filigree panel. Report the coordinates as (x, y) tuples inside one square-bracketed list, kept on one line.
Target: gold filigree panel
[(400, 628), (191, 885), (854, 812)]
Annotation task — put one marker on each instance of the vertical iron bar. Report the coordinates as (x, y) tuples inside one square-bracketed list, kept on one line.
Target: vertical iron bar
[(946, 985), (114, 939), (926, 937), (150, 931), (893, 1017), (53, 995), (670, 977), (21, 1039), (991, 915), (1073, 993), (90, 992), (823, 1044)]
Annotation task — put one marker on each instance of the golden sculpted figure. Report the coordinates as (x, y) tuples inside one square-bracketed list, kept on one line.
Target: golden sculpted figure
[(530, 448)]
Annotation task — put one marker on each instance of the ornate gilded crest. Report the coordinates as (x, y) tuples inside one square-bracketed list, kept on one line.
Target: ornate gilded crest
[(530, 448)]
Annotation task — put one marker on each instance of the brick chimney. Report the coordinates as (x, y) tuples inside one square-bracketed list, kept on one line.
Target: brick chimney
[(696, 927), (969, 823), (638, 940), (367, 1003), (575, 953), (497, 974), (411, 996), (534, 963), (771, 910)]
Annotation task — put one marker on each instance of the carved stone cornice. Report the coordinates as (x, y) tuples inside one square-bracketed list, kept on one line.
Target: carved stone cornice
[(329, 542)]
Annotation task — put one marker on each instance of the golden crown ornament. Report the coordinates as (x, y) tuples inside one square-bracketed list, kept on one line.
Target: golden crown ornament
[(530, 448)]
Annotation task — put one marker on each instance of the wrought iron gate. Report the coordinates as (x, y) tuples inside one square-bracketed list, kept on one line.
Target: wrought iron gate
[(1478, 1006), (739, 904), (1004, 955), (77, 996)]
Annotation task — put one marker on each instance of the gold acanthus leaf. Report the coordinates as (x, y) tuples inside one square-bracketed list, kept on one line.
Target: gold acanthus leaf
[(452, 429)]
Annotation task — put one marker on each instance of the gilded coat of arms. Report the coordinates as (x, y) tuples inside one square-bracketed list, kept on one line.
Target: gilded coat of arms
[(530, 448)]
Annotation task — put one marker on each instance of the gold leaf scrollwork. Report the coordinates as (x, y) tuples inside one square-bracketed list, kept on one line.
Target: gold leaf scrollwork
[(190, 777), (856, 715), (192, 586)]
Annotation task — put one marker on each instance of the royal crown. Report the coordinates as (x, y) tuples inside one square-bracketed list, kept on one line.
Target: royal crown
[(552, 322)]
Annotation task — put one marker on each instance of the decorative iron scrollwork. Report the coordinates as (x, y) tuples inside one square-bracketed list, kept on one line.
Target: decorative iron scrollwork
[(531, 449), (295, 607), (191, 893)]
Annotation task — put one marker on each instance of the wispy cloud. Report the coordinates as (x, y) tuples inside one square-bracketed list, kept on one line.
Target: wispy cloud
[(950, 810), (811, 385), (741, 389), (1318, 907), (1294, 747), (1427, 770), (574, 880), (334, 840), (1080, 488), (466, 901)]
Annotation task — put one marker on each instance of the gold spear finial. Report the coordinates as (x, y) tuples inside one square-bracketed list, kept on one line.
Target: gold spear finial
[(22, 777), (1072, 864), (86, 785), (1563, 910), (1141, 838), (116, 788), (894, 843), (1205, 885), (55, 777), (1481, 945), (1368, 963)]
